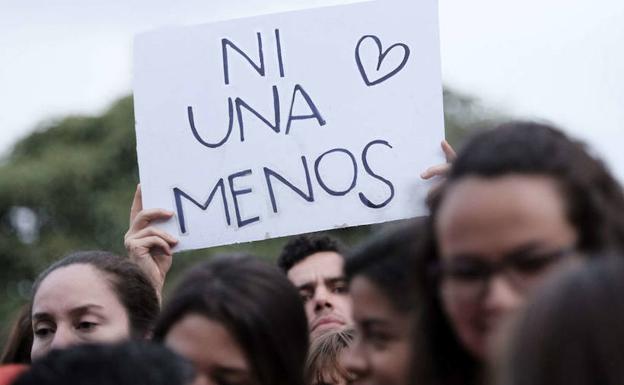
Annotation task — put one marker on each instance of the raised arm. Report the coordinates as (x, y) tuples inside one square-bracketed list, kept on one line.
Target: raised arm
[(148, 246)]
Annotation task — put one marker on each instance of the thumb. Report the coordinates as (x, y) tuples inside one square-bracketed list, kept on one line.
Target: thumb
[(137, 204)]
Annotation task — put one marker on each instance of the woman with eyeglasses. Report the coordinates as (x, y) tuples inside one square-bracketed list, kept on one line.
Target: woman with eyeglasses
[(520, 202)]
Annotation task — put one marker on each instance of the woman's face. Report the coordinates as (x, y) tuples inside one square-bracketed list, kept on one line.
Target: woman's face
[(498, 238), (73, 305), (380, 354), (217, 356)]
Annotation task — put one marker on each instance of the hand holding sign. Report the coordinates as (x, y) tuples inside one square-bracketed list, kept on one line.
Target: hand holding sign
[(147, 246), (440, 170)]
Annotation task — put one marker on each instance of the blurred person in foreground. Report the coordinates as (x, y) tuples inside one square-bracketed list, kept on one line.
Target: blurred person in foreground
[(239, 321), (572, 333), (383, 308), (130, 363), (520, 202)]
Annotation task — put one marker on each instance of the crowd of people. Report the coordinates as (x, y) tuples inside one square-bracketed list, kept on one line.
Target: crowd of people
[(514, 278)]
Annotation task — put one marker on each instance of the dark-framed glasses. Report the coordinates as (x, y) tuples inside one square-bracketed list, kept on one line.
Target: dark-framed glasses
[(468, 277)]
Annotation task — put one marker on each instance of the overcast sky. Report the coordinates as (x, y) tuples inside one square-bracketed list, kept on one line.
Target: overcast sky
[(561, 60)]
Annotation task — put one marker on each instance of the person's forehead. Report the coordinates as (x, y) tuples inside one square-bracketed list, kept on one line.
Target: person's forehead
[(318, 266), (369, 300), (499, 214), (470, 195), (72, 286), (191, 335)]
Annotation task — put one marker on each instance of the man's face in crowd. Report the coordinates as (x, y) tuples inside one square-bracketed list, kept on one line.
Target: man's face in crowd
[(322, 286)]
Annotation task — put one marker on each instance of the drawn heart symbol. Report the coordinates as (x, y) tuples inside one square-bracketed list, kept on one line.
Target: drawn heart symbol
[(380, 59)]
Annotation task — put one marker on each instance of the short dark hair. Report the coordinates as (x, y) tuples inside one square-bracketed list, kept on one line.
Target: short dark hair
[(131, 286), (256, 303), (385, 260), (572, 330), (300, 247), (130, 363)]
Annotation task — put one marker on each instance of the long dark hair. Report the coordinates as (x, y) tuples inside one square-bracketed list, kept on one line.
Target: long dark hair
[(131, 286), (259, 307), (593, 199), (19, 342)]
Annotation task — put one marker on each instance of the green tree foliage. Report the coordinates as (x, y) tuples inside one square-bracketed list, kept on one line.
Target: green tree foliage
[(464, 114), (69, 186), (74, 176)]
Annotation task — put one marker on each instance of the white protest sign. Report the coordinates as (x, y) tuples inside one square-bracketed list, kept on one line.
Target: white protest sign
[(289, 123)]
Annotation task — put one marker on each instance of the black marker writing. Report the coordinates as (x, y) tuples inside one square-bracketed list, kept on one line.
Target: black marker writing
[(179, 194), (363, 198), (320, 180), (235, 193), (259, 67), (268, 173)]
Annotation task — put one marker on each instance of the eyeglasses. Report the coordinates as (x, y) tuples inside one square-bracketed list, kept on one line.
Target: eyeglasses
[(468, 278)]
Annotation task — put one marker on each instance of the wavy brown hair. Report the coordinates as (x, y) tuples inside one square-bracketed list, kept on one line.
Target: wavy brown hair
[(324, 358)]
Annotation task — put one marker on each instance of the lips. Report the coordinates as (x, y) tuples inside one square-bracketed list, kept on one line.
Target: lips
[(326, 320)]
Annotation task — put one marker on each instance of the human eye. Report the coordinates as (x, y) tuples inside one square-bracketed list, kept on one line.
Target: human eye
[(305, 295), (376, 338), (86, 326), (340, 288), (229, 382), (532, 263), (232, 379), (466, 270), (43, 330)]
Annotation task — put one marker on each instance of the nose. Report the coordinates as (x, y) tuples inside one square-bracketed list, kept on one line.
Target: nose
[(502, 298), (63, 338), (322, 299), (354, 360)]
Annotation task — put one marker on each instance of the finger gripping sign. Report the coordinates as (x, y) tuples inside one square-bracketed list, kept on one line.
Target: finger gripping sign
[(289, 123)]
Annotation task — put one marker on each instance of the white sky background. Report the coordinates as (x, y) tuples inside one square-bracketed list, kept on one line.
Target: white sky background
[(561, 60)]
